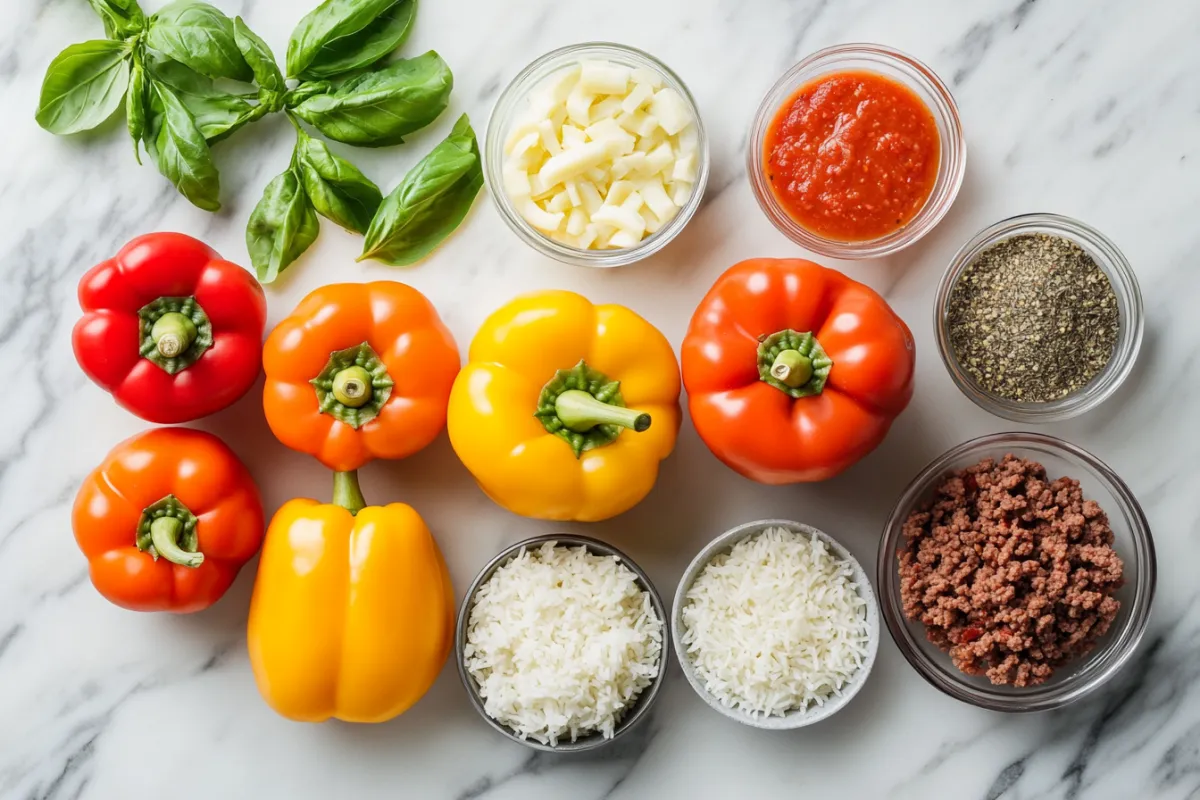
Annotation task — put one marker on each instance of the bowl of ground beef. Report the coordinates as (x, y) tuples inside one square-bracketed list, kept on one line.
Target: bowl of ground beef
[(1016, 572)]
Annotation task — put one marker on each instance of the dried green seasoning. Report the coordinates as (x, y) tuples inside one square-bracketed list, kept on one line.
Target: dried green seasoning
[(1033, 318)]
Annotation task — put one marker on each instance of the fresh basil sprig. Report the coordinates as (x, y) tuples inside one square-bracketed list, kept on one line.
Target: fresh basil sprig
[(429, 203), (179, 71)]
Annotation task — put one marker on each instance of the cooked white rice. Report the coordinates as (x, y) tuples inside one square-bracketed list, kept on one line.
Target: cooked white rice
[(561, 642), (775, 624)]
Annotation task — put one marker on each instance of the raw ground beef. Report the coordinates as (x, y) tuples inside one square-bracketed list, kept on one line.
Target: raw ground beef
[(1011, 574)]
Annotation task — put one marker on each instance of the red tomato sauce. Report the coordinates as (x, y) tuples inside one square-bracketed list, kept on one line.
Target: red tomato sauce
[(852, 156)]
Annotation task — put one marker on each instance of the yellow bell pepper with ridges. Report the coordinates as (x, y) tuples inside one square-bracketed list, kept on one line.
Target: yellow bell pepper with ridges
[(565, 409), (353, 612)]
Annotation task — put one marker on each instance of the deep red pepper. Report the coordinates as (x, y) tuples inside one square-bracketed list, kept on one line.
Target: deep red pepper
[(170, 329)]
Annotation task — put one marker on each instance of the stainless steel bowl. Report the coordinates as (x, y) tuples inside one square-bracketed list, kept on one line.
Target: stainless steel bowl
[(797, 718), (634, 714)]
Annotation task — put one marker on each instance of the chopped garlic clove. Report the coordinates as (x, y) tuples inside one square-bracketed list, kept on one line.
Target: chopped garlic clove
[(671, 110), (540, 219), (549, 140), (641, 94), (603, 77)]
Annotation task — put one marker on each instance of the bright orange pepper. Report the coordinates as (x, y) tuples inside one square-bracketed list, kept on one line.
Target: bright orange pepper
[(358, 372), (353, 612), (167, 521)]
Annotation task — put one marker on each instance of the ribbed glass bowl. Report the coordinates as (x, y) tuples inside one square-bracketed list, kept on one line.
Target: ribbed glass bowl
[(898, 66), (512, 104), (641, 705), (1129, 305), (1132, 541)]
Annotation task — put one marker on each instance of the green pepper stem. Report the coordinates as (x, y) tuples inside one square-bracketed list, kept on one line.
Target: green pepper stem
[(352, 387), (164, 534), (346, 492), (173, 333), (581, 412), (792, 368)]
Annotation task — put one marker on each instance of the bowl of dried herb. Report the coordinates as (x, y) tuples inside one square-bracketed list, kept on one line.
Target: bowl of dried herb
[(1039, 318)]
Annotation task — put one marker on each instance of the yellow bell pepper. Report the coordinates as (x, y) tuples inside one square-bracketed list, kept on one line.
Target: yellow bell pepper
[(553, 412), (353, 613)]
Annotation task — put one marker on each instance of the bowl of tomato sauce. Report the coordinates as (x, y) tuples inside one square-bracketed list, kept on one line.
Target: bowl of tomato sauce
[(857, 151)]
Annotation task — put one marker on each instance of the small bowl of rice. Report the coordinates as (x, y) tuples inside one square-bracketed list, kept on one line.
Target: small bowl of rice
[(562, 643), (775, 625)]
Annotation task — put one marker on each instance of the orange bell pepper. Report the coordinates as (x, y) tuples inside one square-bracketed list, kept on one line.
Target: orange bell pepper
[(167, 521), (358, 372), (794, 371), (353, 611)]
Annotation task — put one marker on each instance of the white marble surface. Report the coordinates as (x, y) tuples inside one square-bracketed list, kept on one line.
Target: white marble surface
[(1088, 109)]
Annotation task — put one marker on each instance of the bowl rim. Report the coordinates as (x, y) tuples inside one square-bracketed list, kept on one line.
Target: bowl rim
[(917, 76), (499, 121), (793, 719), (963, 687), (1108, 258), (644, 701)]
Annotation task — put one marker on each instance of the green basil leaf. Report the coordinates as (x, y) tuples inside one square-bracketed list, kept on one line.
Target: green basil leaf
[(216, 113), (122, 18), (135, 107), (84, 85), (328, 22), (281, 227), (337, 189), (366, 46), (379, 108), (180, 151), (260, 58), (200, 36), (431, 201)]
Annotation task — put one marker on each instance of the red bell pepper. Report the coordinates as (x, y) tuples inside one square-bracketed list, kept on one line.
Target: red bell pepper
[(171, 330), (794, 371)]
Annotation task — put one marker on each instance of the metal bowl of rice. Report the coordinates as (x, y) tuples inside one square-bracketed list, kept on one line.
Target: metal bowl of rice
[(718, 613), (647, 607)]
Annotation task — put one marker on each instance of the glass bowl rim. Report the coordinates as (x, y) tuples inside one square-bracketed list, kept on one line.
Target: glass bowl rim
[(962, 687), (499, 121), (953, 151)]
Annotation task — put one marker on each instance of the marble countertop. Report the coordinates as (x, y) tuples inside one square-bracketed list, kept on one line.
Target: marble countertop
[(1086, 109)]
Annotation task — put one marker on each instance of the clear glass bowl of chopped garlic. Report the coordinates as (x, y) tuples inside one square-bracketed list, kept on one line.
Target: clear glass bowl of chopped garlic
[(596, 155)]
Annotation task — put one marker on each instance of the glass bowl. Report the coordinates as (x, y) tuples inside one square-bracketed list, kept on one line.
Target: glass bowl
[(1132, 541), (892, 64), (640, 706), (1129, 303), (512, 103)]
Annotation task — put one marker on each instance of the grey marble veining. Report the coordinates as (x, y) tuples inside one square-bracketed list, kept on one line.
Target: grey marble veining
[(1087, 109)]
